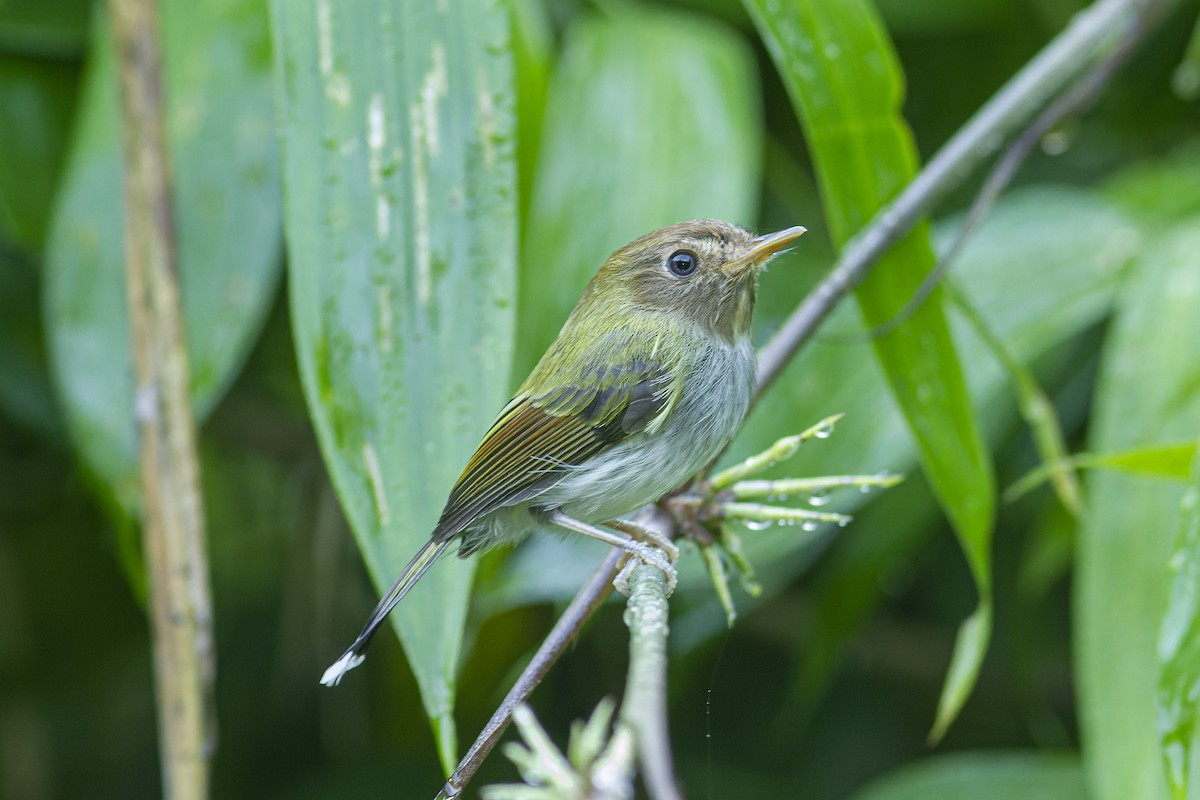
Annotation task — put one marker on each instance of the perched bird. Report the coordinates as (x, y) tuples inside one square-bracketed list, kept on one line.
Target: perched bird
[(647, 381)]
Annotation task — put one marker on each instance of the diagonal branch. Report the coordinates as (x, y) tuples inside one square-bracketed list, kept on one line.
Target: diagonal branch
[(1092, 32)]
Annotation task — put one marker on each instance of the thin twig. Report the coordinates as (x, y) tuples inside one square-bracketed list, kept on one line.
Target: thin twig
[(1074, 101), (173, 519), (594, 592), (644, 709)]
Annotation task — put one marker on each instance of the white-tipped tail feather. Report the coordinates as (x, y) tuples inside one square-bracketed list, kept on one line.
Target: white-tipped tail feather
[(347, 662), (407, 578)]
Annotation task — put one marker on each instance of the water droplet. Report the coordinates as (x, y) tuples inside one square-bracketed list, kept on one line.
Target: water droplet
[(1055, 143), (809, 525), (758, 524), (843, 522), (819, 498), (823, 432), (866, 487)]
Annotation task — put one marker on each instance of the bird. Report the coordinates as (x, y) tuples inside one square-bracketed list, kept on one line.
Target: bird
[(648, 380)]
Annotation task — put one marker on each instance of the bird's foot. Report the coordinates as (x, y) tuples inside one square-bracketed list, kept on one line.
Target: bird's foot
[(652, 556)]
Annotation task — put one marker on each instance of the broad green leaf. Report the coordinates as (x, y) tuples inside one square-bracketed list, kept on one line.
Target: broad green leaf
[(843, 77), (397, 123), (1179, 650), (1159, 193), (1165, 461), (38, 100), (1146, 392), (984, 776), (653, 117), (226, 210)]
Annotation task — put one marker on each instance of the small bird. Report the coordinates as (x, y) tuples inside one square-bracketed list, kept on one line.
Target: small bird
[(647, 381)]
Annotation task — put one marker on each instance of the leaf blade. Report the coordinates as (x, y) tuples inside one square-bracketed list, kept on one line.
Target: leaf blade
[(1122, 579), (863, 153), (401, 223)]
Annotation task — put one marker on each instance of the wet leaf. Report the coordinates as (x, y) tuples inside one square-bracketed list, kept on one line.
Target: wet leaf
[(1179, 649), (1146, 392), (397, 122), (844, 79)]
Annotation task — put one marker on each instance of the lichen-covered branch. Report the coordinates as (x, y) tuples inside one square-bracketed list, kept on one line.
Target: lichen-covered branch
[(644, 709)]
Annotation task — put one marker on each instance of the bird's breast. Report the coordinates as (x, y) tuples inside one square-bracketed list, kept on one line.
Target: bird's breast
[(718, 384)]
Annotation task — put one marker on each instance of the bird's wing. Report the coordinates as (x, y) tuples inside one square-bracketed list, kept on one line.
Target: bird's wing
[(539, 437)]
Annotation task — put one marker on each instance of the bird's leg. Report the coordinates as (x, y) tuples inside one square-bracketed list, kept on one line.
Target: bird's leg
[(646, 553), (640, 533)]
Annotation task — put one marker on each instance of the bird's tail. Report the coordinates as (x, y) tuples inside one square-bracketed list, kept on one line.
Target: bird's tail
[(407, 578)]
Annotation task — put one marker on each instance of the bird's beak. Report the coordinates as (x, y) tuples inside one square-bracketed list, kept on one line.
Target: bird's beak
[(763, 247)]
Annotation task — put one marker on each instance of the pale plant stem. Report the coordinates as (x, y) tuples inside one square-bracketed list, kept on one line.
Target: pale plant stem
[(644, 709), (172, 519)]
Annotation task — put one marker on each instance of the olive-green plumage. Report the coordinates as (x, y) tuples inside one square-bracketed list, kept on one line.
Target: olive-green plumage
[(648, 379)]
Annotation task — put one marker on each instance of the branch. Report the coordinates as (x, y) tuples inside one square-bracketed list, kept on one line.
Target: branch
[(644, 709), (1092, 31), (173, 522), (594, 592)]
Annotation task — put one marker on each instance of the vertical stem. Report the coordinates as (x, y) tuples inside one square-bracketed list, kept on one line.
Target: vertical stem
[(173, 520), (644, 709)]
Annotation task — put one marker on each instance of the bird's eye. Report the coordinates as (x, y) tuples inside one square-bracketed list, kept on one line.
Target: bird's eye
[(682, 263)]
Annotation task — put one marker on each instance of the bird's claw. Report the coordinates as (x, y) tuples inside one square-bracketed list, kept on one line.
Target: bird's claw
[(650, 555)]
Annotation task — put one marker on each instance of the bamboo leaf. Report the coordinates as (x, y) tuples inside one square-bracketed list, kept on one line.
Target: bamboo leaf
[(984, 776), (1179, 649), (1145, 393), (846, 84), (1164, 461), (397, 123), (226, 202)]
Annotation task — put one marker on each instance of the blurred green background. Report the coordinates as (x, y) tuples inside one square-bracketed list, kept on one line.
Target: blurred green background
[(607, 119)]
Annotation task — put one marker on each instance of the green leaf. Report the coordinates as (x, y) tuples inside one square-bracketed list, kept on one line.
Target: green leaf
[(1179, 648), (1165, 461), (227, 214), (1186, 79), (984, 776), (1146, 392), (1159, 193), (843, 77), (397, 123), (1036, 408), (532, 43), (39, 98), (604, 178)]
